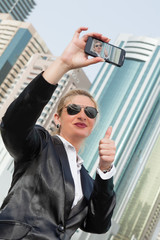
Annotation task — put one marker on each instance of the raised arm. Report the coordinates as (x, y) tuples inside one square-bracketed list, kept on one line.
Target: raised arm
[(18, 130)]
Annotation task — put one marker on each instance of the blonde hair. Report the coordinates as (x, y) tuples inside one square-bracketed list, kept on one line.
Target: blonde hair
[(72, 93), (96, 41)]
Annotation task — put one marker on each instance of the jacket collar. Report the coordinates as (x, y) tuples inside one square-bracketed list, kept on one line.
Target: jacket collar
[(67, 145), (67, 176)]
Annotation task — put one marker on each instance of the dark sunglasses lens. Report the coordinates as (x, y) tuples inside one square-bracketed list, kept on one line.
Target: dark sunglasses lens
[(91, 112), (99, 45), (73, 109)]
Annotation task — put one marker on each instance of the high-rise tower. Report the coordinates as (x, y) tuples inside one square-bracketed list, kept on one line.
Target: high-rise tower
[(18, 9), (18, 42), (129, 100)]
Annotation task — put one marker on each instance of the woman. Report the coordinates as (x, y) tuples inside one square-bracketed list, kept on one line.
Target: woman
[(52, 194), (97, 47), (100, 50)]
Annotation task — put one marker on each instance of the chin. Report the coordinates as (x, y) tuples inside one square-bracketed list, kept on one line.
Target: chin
[(82, 134)]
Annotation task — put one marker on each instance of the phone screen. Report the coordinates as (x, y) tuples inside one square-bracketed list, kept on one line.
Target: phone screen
[(106, 51)]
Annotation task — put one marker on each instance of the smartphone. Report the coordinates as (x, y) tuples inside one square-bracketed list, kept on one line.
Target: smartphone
[(108, 52)]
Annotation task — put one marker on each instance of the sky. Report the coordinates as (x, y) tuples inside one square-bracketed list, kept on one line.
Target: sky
[(57, 20)]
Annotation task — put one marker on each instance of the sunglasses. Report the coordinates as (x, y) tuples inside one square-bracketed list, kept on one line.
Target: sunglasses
[(73, 109), (98, 45)]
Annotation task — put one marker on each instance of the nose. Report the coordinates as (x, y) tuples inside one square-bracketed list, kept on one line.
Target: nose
[(81, 114)]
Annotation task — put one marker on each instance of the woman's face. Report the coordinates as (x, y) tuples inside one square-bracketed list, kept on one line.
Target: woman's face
[(98, 47), (78, 125)]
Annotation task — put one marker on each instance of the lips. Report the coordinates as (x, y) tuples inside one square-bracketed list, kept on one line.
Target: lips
[(81, 125)]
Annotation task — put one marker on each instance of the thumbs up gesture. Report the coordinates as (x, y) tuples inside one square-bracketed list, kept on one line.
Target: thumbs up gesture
[(107, 151)]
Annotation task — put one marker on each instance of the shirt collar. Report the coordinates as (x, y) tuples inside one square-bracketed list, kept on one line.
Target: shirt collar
[(67, 145)]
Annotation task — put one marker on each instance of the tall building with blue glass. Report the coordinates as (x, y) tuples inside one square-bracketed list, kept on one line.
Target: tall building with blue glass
[(18, 42), (18, 9), (129, 100)]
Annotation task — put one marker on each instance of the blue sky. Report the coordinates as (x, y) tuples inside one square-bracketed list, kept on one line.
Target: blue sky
[(57, 20)]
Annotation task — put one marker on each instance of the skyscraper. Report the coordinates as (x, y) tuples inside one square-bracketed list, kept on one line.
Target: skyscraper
[(129, 100), (18, 9), (18, 42)]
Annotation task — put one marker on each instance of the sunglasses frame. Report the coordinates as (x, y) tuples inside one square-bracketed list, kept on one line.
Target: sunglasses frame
[(79, 108), (98, 45)]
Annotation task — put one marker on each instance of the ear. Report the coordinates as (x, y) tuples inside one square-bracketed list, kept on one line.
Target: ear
[(56, 119)]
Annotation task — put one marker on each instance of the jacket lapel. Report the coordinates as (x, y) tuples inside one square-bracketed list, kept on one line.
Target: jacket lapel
[(87, 183), (87, 187), (67, 176)]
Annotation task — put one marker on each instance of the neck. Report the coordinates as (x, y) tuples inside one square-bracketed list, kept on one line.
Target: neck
[(75, 141)]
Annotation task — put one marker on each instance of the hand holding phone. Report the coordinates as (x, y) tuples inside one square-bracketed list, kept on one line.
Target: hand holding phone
[(108, 52)]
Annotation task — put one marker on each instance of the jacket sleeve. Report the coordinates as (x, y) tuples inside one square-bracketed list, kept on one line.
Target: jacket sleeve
[(101, 205), (18, 124)]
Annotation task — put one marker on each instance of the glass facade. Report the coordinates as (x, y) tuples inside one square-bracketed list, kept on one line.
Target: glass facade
[(129, 101), (18, 42), (18, 9), (111, 101), (143, 188), (13, 51)]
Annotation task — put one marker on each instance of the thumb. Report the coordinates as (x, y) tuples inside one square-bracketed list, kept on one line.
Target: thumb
[(108, 132), (94, 60)]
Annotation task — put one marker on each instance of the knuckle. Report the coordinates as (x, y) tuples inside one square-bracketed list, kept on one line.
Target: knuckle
[(100, 152)]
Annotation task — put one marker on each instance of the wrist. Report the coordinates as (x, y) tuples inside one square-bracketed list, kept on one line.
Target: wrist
[(106, 175), (55, 71), (65, 67), (106, 169)]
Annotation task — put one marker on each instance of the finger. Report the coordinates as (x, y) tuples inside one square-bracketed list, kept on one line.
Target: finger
[(79, 30), (107, 159), (106, 39), (107, 152), (107, 145), (93, 60), (108, 132), (96, 35), (99, 36), (103, 38)]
